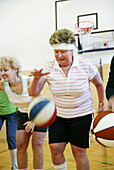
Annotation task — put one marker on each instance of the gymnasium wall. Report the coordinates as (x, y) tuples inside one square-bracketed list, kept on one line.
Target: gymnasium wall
[(26, 26)]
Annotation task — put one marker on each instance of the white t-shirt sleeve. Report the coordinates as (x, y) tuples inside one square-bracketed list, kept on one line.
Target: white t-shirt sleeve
[(92, 70)]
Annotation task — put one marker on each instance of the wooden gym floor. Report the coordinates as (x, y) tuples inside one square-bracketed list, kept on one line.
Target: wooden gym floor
[(100, 158)]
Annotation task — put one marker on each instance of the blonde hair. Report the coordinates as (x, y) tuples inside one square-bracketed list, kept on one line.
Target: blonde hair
[(13, 61), (62, 36)]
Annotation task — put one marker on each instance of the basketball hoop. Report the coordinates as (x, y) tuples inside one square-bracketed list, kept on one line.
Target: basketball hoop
[(84, 27)]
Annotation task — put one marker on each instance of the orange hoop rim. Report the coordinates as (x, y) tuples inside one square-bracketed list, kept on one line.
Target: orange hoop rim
[(85, 29)]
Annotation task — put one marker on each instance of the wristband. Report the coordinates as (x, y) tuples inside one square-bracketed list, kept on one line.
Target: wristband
[(101, 104)]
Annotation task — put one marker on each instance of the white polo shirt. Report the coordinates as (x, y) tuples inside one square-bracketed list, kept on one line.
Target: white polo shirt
[(72, 94)]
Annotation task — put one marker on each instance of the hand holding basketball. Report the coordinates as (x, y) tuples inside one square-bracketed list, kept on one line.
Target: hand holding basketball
[(29, 126)]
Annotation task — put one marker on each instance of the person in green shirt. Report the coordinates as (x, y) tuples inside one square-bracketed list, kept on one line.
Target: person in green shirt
[(8, 113)]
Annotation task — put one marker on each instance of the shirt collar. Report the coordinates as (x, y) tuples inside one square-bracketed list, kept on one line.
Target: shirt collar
[(75, 61)]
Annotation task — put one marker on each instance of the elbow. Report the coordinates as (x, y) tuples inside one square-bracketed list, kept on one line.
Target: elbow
[(100, 85), (33, 93)]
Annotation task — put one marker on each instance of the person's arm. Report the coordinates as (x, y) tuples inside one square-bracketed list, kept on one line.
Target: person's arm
[(97, 81), (0, 77), (1, 85), (29, 126), (37, 84), (110, 104), (110, 88)]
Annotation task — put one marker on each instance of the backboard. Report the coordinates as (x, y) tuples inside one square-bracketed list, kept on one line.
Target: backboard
[(70, 12), (96, 41)]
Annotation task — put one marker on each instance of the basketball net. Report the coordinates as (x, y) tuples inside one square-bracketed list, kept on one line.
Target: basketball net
[(84, 29)]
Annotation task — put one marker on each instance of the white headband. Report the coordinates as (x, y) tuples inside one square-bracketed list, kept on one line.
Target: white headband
[(63, 46)]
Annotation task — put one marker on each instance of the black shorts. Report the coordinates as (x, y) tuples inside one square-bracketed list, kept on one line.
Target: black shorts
[(22, 118), (73, 130)]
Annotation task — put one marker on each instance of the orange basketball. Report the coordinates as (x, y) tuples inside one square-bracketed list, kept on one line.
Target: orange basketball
[(103, 128)]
